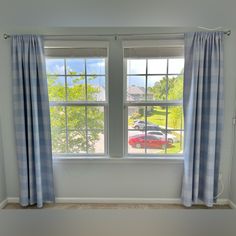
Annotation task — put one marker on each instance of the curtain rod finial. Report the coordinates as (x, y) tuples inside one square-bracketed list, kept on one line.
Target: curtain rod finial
[(228, 32), (6, 36)]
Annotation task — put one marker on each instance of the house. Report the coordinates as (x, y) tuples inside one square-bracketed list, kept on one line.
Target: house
[(118, 180), (136, 93)]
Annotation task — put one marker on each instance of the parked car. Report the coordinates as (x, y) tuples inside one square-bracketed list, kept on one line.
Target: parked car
[(148, 141), (170, 137), (140, 124)]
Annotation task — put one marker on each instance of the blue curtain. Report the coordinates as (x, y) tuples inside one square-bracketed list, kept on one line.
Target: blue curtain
[(203, 114), (32, 120)]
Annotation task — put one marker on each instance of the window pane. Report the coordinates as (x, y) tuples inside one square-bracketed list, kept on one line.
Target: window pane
[(55, 66), (155, 144), (175, 87), (157, 66), (95, 66), (58, 140), (57, 117), (175, 117), (137, 66), (96, 88), (56, 88), (75, 66), (95, 125), (96, 141), (58, 133), (95, 118), (136, 126), (176, 138), (156, 88), (76, 118), (76, 88), (136, 88), (156, 117), (136, 142), (136, 117), (176, 66), (77, 141)]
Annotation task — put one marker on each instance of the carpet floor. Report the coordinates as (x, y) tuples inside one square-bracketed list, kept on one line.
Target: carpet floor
[(113, 206)]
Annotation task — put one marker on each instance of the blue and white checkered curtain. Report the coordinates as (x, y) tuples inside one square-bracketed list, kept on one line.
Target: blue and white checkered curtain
[(32, 120), (203, 113)]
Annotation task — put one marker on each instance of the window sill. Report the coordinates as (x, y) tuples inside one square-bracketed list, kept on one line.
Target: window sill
[(121, 160)]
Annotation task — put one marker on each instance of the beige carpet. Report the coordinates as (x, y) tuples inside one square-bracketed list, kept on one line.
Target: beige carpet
[(113, 206)]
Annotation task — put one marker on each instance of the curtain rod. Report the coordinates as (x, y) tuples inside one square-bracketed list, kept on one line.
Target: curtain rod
[(6, 36)]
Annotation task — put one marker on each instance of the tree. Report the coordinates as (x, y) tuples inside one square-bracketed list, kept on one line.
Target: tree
[(175, 92), (70, 131), (175, 88), (159, 89)]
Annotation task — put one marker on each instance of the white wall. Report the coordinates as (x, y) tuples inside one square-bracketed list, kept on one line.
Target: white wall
[(118, 179), (233, 183), (3, 193), (114, 178), (113, 13)]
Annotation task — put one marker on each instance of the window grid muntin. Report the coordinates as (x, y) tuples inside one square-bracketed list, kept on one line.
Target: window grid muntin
[(85, 104), (167, 103)]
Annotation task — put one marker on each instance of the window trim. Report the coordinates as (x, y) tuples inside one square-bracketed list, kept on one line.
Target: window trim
[(126, 103), (104, 104), (115, 155)]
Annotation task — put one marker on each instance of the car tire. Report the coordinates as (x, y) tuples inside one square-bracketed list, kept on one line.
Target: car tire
[(138, 145), (136, 127)]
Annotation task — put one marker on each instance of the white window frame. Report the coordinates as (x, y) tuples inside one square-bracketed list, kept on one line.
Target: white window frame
[(143, 44), (57, 44)]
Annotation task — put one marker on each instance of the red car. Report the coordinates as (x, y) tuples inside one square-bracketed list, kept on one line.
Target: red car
[(151, 141)]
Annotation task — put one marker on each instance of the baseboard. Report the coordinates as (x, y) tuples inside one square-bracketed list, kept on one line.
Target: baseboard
[(120, 200), (222, 201), (109, 200), (232, 204), (3, 203), (131, 200), (13, 200)]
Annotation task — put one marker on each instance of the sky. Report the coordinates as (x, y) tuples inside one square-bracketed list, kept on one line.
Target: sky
[(93, 66), (97, 66), (154, 66)]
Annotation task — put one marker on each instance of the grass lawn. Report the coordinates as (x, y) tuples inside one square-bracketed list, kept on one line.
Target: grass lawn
[(176, 148), (158, 116)]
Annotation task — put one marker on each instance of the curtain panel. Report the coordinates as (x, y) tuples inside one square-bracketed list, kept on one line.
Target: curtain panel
[(32, 120), (203, 114)]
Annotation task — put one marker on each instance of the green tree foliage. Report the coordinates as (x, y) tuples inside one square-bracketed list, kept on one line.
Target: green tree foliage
[(159, 89), (73, 139), (175, 92)]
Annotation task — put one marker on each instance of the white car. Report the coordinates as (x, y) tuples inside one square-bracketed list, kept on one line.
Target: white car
[(170, 137)]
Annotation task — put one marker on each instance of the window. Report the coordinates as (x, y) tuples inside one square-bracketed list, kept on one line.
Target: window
[(153, 81), (77, 87), (151, 123)]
